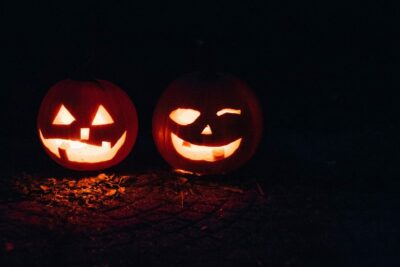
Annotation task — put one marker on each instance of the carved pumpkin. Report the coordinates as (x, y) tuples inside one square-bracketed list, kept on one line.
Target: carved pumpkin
[(87, 125), (207, 125)]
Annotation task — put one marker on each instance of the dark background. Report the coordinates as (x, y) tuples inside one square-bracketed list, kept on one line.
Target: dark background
[(323, 73)]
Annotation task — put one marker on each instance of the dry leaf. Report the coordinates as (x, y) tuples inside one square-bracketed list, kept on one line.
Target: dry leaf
[(111, 192), (101, 176), (71, 183), (45, 188), (121, 190)]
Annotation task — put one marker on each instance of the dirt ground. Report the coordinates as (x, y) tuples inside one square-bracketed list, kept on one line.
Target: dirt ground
[(164, 219)]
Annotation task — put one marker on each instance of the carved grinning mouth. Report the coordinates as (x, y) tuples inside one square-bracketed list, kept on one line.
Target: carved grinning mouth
[(204, 153), (77, 151)]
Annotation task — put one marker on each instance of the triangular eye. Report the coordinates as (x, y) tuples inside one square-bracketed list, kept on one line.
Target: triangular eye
[(102, 117), (63, 117)]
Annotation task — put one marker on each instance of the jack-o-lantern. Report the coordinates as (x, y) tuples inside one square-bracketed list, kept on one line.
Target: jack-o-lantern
[(207, 124), (87, 125)]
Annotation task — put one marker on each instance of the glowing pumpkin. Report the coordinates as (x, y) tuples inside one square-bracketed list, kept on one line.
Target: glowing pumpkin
[(207, 125), (87, 125)]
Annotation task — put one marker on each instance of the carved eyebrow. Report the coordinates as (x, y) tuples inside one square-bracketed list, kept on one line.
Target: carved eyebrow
[(229, 110)]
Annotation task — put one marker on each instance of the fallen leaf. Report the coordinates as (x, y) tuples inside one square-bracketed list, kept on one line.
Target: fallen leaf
[(121, 190), (101, 176), (111, 192), (45, 188), (71, 183)]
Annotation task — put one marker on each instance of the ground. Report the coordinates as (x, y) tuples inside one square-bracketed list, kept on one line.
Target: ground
[(160, 218)]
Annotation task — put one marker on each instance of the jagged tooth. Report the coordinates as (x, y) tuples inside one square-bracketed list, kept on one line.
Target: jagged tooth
[(62, 153), (64, 145), (218, 153), (105, 144)]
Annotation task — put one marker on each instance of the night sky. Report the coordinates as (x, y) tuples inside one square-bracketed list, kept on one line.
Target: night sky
[(320, 71)]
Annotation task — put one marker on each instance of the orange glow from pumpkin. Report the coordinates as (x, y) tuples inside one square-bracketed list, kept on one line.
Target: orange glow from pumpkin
[(184, 116), (77, 151), (204, 153)]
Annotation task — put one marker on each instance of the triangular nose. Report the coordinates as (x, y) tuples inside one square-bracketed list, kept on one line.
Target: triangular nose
[(207, 130)]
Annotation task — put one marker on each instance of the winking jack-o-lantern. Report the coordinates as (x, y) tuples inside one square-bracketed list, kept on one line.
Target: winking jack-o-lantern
[(87, 125), (207, 124)]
